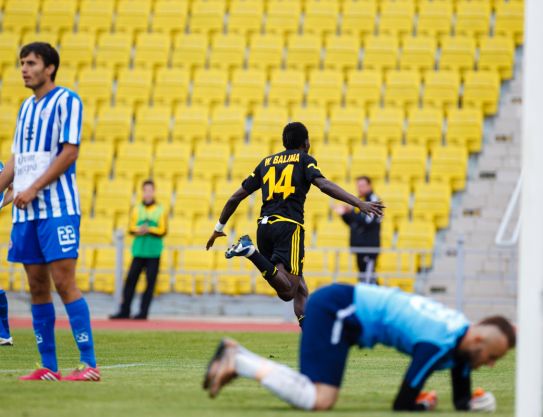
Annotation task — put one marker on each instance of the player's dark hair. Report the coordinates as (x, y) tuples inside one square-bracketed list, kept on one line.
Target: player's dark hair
[(45, 51), (364, 178), (148, 182), (504, 326), (294, 135)]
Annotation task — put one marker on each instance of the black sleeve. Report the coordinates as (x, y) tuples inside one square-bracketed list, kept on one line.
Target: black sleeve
[(254, 181), (311, 170), (349, 218), (461, 383), (425, 357)]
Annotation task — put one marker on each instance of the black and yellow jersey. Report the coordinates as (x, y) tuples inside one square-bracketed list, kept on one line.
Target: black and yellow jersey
[(285, 179)]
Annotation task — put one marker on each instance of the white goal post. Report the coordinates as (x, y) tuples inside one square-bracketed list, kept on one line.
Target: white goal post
[(529, 369)]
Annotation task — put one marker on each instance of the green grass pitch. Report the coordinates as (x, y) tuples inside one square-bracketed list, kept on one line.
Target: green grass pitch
[(166, 375)]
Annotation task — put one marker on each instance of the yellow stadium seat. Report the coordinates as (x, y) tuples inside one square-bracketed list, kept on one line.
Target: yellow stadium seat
[(191, 124), (332, 234), (94, 86), (342, 52), (192, 199), (402, 89), (171, 161), (97, 230), (179, 232), (358, 17), (194, 274), (85, 264), (320, 17), (364, 88), (396, 263), (133, 161), (325, 88), (425, 127), (510, 20), (20, 16), (304, 52), (211, 161), (113, 50), (207, 16), (317, 207), (319, 262), (395, 196), (441, 89), (105, 261), (152, 124), (246, 158), (95, 16), (418, 235), (449, 166), (346, 125), (134, 87), (8, 116), (227, 124), (396, 18), (234, 283), (223, 190), (95, 159), (113, 124), (497, 54), (472, 18), (227, 51), (457, 53), (482, 90), (381, 52), (387, 233), (169, 17), (418, 53), (332, 160), (266, 51), (209, 87), (152, 50), (283, 17), (465, 128), (433, 203), (245, 17), (314, 118), (85, 186), (385, 126), (268, 123), (66, 78), (286, 87), (41, 36), (190, 50), (77, 49), (13, 89), (248, 88), (408, 164), (113, 197), (57, 15), (370, 160), (132, 16), (171, 86), (435, 18)]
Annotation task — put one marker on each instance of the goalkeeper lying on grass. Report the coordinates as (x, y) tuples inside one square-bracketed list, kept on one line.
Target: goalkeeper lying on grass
[(340, 316)]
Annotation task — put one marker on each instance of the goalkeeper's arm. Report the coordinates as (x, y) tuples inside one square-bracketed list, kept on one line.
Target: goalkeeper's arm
[(461, 385)]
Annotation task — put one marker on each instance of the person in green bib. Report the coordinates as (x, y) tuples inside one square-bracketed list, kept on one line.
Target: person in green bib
[(148, 225)]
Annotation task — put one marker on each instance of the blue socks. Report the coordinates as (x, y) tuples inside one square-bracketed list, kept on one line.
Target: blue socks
[(43, 321), (4, 325), (79, 315)]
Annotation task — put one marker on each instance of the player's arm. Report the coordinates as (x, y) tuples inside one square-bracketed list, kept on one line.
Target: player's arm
[(68, 155), (7, 174), (8, 196), (425, 357), (461, 384)]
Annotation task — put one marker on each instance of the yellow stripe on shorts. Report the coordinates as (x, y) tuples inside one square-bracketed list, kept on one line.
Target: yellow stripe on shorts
[(295, 252)]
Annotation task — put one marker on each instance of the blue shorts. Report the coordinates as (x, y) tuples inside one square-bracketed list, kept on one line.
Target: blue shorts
[(44, 240), (324, 350)]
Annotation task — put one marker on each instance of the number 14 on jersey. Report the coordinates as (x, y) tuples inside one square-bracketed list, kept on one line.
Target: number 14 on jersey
[(281, 186)]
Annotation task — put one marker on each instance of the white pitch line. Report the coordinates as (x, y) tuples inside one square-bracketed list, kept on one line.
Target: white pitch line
[(117, 366)]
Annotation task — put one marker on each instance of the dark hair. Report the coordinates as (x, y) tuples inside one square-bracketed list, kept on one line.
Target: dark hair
[(364, 178), (294, 135), (504, 326), (148, 182), (45, 51)]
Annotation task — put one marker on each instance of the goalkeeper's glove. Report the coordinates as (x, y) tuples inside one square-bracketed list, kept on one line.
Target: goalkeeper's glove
[(482, 400), (428, 400)]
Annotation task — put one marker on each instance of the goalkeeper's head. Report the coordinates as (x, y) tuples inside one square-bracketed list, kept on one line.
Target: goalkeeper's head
[(487, 341)]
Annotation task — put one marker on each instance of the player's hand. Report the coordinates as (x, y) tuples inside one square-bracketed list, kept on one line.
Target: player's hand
[(143, 230), (372, 207), (482, 400), (24, 198), (214, 236), (428, 400)]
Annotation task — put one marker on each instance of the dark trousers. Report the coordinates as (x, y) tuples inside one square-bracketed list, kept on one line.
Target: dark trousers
[(151, 266), (366, 265)]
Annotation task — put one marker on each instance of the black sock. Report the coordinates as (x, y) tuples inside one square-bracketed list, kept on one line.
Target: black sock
[(266, 267)]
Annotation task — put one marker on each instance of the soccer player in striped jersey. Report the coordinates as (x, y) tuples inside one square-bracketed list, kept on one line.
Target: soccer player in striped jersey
[(46, 213)]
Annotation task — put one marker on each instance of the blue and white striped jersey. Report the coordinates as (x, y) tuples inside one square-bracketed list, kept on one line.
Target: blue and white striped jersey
[(42, 127)]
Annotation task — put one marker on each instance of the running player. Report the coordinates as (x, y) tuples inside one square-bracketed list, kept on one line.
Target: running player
[(5, 335), (285, 179), (46, 213), (341, 316)]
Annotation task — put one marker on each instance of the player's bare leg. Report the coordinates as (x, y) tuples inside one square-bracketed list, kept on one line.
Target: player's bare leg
[(232, 360), (63, 274), (39, 282), (300, 299)]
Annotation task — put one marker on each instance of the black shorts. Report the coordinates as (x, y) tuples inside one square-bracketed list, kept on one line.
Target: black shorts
[(282, 242)]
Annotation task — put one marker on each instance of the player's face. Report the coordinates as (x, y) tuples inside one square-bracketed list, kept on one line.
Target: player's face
[(487, 351), (363, 187), (35, 73), (148, 194)]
